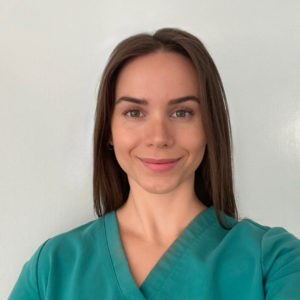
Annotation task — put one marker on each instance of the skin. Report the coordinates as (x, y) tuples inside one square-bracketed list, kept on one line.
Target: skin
[(160, 204)]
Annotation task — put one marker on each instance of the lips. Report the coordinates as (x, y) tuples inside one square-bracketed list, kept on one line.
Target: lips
[(159, 161), (159, 165)]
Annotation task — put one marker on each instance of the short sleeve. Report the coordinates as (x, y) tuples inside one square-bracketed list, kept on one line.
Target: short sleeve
[(281, 264), (27, 286)]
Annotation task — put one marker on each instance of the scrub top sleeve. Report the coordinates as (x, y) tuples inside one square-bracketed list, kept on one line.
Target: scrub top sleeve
[(280, 264), (27, 286)]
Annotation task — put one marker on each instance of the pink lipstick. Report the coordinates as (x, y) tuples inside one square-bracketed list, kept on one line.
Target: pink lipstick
[(159, 165)]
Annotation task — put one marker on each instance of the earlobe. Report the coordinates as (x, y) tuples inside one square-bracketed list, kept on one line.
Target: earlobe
[(110, 141)]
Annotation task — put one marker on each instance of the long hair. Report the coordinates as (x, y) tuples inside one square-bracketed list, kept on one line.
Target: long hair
[(214, 176)]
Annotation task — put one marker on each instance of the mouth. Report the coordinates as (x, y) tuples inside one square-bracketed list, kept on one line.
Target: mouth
[(159, 165), (159, 161)]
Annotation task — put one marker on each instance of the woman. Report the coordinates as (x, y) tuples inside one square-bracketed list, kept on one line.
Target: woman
[(168, 226)]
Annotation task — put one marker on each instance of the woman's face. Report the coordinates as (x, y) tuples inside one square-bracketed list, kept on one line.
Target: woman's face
[(138, 128)]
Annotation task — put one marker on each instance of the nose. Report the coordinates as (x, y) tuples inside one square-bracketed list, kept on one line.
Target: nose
[(159, 132)]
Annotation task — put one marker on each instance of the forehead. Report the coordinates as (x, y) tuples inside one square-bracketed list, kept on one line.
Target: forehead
[(158, 73)]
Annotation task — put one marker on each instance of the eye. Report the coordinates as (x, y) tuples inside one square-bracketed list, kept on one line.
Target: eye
[(183, 111), (133, 109)]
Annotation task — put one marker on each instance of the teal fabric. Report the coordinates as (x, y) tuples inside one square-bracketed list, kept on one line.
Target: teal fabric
[(207, 262)]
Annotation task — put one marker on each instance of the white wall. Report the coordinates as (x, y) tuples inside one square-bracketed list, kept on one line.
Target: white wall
[(51, 56)]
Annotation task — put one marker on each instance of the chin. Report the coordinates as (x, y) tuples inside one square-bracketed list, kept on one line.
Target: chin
[(159, 187)]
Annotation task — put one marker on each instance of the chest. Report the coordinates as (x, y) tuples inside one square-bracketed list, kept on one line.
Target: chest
[(141, 256)]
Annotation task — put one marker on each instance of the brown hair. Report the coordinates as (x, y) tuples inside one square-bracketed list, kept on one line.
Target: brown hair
[(214, 176)]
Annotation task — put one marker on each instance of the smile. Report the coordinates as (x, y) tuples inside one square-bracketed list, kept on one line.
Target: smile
[(159, 165)]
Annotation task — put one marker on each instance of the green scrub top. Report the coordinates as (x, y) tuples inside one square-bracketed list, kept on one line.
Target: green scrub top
[(207, 262)]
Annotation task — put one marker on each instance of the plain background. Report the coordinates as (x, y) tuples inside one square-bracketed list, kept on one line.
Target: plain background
[(52, 54)]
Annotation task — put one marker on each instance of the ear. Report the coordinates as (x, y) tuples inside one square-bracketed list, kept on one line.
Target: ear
[(110, 141)]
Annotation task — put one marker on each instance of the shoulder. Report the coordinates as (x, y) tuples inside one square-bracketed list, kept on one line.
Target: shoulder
[(280, 260), (78, 235), (264, 234), (59, 257), (249, 228), (269, 254), (264, 239), (75, 239), (279, 248)]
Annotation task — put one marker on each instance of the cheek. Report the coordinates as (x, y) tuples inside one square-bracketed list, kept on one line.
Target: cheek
[(194, 138), (194, 142), (124, 137)]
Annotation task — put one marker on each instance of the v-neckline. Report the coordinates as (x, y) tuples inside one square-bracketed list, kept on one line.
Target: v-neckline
[(164, 266)]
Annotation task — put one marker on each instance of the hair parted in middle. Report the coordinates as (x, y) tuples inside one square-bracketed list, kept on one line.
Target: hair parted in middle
[(214, 176)]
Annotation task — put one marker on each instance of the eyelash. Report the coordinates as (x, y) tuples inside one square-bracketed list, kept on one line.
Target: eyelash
[(187, 110)]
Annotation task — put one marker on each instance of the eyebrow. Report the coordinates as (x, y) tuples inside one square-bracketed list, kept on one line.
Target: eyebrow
[(171, 102)]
